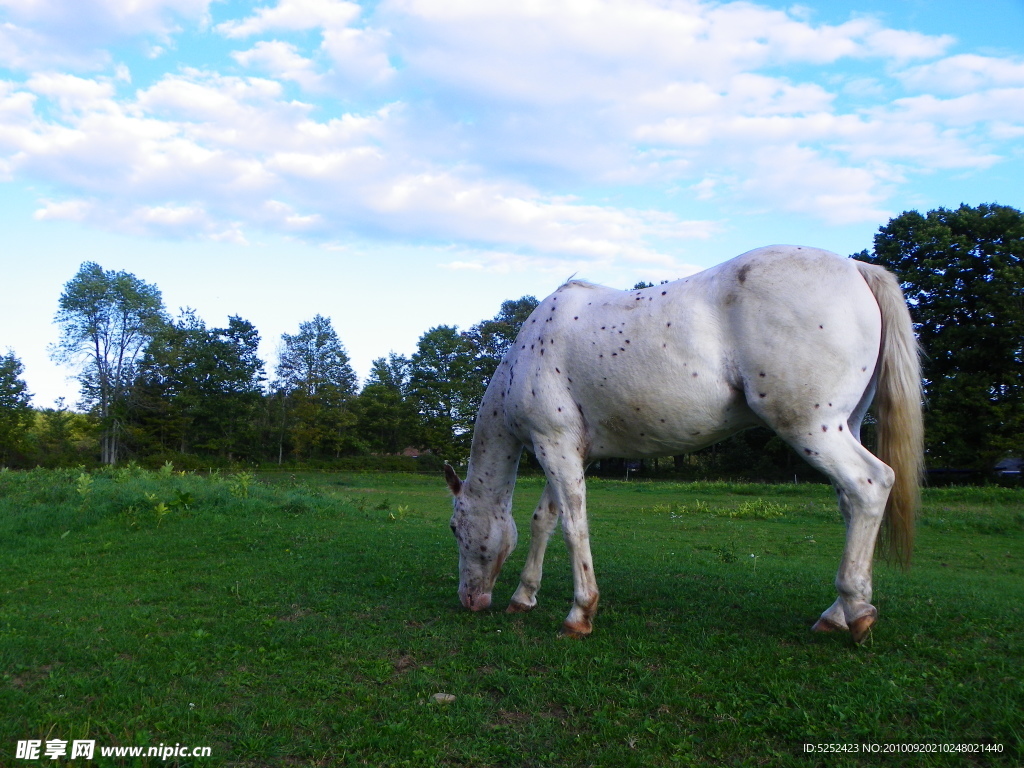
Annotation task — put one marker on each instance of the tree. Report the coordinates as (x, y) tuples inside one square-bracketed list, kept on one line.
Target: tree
[(386, 420), (495, 337), (198, 388), (61, 437), (106, 319), (446, 385), (315, 382), (15, 406), (963, 274)]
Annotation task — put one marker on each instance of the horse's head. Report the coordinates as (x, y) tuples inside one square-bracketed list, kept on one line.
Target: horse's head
[(486, 533)]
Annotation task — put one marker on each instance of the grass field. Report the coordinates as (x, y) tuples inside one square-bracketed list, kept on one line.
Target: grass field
[(310, 620)]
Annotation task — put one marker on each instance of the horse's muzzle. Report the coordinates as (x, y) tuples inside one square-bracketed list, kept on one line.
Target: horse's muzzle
[(477, 602)]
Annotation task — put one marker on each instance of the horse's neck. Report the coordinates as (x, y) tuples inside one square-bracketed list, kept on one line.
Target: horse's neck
[(494, 456)]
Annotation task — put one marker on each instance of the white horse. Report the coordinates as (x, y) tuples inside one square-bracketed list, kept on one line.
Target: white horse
[(796, 339)]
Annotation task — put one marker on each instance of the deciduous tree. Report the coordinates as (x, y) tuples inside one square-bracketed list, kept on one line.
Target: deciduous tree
[(446, 386), (386, 419), (106, 319), (15, 406), (963, 274), (316, 382), (199, 388)]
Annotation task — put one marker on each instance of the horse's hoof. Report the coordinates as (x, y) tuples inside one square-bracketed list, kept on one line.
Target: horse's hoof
[(827, 625), (860, 628), (575, 631), (517, 607)]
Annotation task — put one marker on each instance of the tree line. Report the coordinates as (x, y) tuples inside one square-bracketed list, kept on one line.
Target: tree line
[(157, 388)]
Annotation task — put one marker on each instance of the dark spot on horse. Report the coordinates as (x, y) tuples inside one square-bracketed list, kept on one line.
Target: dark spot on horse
[(531, 346), (615, 354), (642, 434), (663, 293), (576, 318), (570, 380), (542, 351), (535, 516), (762, 394), (627, 341), (743, 273), (638, 410), (559, 410), (600, 355), (824, 428), (604, 327), (822, 327), (533, 392), (668, 325), (557, 371), (808, 451), (870, 481), (622, 349), (662, 421), (864, 368), (586, 567), (840, 427), (762, 374), (817, 405)]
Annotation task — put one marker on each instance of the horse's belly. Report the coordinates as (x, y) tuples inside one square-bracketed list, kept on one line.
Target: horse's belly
[(668, 426)]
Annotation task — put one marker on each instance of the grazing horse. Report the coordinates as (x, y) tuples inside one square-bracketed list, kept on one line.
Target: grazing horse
[(796, 339)]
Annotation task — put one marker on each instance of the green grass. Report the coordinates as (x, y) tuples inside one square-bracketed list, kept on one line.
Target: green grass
[(309, 620)]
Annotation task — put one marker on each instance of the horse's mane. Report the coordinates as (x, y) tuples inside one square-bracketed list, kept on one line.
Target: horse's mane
[(572, 282)]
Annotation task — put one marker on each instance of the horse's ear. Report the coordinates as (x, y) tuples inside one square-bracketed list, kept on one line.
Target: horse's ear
[(453, 479)]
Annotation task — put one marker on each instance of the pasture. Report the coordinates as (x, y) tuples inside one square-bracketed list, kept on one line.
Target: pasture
[(309, 620)]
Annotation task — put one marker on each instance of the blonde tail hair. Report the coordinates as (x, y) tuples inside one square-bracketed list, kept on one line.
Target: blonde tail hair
[(898, 404)]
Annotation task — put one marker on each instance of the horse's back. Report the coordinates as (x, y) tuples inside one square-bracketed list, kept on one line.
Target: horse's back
[(677, 366)]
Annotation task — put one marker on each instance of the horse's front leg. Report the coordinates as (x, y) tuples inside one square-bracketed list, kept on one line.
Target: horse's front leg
[(544, 519), (573, 503)]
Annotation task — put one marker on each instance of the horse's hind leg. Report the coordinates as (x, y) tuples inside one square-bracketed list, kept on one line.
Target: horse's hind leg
[(862, 482), (545, 517)]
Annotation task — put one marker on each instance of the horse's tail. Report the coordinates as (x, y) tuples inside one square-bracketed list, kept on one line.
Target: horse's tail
[(898, 403)]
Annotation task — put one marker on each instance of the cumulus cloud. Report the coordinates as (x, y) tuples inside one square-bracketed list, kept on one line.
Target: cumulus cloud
[(209, 155), (292, 15), (76, 33), (471, 123), (284, 62)]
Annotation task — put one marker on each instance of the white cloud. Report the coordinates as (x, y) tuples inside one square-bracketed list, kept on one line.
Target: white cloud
[(964, 74), (75, 33), (282, 61), (195, 149), (293, 15), (477, 118)]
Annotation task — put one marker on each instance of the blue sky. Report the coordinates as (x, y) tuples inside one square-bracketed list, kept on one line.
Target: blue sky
[(403, 164)]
